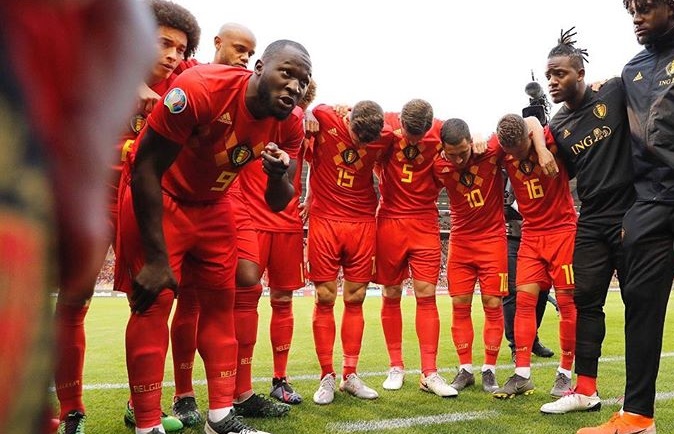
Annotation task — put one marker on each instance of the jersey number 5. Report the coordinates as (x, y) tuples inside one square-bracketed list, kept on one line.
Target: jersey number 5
[(407, 170)]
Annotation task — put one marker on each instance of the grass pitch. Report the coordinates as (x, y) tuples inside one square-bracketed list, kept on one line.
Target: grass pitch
[(408, 410)]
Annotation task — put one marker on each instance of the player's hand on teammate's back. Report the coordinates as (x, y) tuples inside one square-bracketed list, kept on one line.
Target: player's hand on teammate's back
[(304, 212), (311, 125), (479, 144), (342, 110), (275, 162), (149, 282), (596, 85)]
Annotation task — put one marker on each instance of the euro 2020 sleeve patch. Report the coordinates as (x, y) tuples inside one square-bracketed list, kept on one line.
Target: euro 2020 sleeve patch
[(176, 100)]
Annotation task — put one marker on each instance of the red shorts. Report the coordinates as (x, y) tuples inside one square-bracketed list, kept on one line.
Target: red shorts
[(484, 260), (204, 232), (405, 245), (546, 260), (246, 235), (334, 243), (282, 255)]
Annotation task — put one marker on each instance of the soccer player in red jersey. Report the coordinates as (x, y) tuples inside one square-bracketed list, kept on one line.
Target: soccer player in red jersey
[(178, 36), (344, 154), (280, 245), (545, 257), (60, 124), (234, 45), (175, 219), (474, 184), (408, 239), (477, 246)]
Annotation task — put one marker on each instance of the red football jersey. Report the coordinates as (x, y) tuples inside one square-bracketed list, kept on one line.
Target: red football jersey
[(212, 98), (252, 184), (475, 193), (341, 178), (545, 203), (406, 184)]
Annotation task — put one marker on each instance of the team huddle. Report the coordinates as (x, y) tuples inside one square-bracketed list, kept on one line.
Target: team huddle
[(207, 198)]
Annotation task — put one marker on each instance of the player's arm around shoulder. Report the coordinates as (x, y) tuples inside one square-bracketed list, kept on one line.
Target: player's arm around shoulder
[(545, 158)]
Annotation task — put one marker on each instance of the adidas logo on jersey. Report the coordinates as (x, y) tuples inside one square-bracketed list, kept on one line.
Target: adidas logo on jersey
[(332, 131), (225, 119), (638, 76), (567, 133)]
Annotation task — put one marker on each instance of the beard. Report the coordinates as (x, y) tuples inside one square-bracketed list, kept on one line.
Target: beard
[(270, 104)]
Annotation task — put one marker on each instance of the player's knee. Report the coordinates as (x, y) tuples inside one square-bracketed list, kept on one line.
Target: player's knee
[(75, 297), (491, 301), (247, 273), (280, 296), (247, 298)]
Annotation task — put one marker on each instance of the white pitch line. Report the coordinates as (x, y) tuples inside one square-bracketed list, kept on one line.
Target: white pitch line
[(509, 366), (386, 424)]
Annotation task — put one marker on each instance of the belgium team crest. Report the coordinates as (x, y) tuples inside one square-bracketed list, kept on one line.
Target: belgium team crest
[(600, 110), (411, 152), (467, 179), (241, 155), (137, 123), (526, 167), (670, 68), (350, 156)]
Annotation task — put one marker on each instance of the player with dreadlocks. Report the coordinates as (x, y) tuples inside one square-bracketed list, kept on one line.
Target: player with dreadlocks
[(649, 223), (592, 132)]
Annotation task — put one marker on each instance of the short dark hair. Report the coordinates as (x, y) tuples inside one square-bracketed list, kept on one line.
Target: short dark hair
[(417, 116), (275, 47), (173, 15), (642, 3), (566, 47), (454, 131), (367, 121), (510, 129)]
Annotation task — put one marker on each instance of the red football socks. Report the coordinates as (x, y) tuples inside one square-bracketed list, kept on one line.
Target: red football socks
[(246, 322), (392, 324), (353, 325), (281, 333), (323, 324), (567, 328), (71, 343), (492, 333), (427, 324), (462, 332), (184, 338), (147, 338), (525, 327)]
